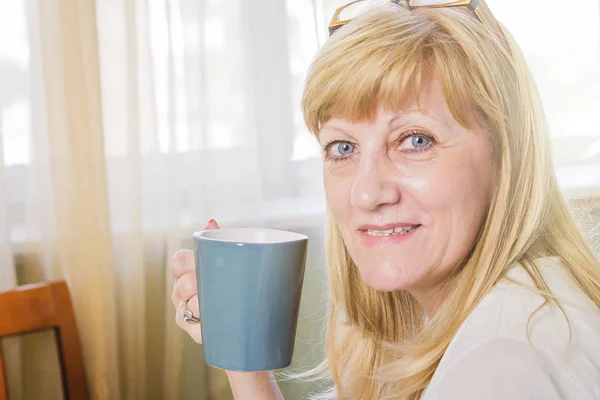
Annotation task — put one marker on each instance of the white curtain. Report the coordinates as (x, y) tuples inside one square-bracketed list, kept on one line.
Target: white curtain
[(127, 124)]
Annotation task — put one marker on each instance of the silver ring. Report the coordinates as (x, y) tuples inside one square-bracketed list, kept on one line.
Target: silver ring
[(188, 316)]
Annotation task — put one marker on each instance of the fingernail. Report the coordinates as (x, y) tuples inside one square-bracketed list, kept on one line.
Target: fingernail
[(212, 221)]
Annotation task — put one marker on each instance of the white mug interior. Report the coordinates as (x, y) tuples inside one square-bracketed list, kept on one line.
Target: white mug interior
[(250, 235)]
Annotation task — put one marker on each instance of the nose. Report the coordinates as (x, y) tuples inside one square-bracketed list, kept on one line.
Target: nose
[(375, 184)]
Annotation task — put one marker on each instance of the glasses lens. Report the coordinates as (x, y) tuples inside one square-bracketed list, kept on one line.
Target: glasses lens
[(352, 10)]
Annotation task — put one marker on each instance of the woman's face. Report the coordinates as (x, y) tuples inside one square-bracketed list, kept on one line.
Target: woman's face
[(409, 191)]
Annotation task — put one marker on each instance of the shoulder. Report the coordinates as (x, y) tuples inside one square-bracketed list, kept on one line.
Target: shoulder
[(500, 369), (504, 368), (515, 346)]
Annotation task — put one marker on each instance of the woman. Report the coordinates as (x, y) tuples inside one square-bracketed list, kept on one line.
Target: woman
[(456, 270)]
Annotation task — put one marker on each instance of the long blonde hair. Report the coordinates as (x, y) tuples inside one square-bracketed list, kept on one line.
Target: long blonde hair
[(379, 344)]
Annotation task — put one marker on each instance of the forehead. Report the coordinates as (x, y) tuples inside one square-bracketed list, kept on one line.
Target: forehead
[(429, 104)]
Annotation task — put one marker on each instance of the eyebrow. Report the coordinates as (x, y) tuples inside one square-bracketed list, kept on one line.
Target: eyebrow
[(404, 114), (334, 128), (392, 121), (411, 112)]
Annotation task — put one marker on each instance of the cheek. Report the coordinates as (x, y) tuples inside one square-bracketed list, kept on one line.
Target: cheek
[(337, 193), (465, 201), (453, 197), (459, 186)]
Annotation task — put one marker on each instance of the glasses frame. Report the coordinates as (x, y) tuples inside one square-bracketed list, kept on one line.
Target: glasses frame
[(478, 7)]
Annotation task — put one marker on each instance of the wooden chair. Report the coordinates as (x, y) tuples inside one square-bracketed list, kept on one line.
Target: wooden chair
[(42, 306)]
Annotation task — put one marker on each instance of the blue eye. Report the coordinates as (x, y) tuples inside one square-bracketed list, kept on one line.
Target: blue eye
[(420, 142), (342, 149), (416, 142)]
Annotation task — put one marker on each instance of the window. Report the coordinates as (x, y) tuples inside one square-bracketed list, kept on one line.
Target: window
[(221, 81), (15, 105)]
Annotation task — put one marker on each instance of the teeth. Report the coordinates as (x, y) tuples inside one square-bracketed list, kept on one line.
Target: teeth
[(404, 229), (400, 230)]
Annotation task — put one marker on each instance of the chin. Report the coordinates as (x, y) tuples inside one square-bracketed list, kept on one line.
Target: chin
[(387, 277)]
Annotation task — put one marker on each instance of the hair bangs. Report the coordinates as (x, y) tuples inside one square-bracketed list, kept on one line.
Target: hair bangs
[(354, 87), (372, 67)]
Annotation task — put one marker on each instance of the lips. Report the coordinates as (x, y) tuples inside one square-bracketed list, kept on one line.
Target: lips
[(399, 230), (389, 228), (388, 234)]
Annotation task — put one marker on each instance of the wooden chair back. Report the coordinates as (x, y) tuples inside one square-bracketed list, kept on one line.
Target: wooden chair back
[(42, 306)]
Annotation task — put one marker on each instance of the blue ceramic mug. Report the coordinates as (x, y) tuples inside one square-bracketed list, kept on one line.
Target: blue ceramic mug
[(249, 286)]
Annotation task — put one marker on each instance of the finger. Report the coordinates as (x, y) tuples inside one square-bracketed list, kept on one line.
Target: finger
[(212, 224), (174, 295), (182, 262), (185, 288), (193, 330), (194, 306)]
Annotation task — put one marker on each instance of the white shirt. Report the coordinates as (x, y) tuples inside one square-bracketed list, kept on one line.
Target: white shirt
[(491, 358)]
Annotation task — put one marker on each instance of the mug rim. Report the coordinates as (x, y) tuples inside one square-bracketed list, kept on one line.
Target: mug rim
[(296, 237)]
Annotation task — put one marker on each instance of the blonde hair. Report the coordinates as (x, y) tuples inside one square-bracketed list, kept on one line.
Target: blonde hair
[(378, 344)]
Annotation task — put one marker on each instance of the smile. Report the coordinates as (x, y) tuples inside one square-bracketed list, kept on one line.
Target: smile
[(399, 230)]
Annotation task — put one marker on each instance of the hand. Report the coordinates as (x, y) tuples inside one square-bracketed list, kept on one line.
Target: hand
[(185, 288), (244, 385)]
